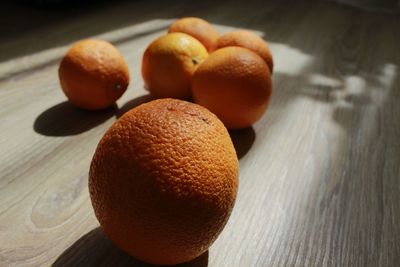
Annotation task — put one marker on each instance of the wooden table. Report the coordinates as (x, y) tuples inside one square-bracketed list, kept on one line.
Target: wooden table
[(320, 173)]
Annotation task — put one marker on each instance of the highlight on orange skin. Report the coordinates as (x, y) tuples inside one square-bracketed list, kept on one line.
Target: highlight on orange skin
[(199, 28), (169, 63), (249, 40)]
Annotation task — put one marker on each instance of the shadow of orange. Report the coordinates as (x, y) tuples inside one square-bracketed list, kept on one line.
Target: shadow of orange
[(95, 249), (65, 119)]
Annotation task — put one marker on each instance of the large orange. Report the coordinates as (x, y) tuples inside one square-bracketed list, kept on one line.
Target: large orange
[(93, 74), (250, 40), (199, 29), (169, 63), (235, 84), (163, 181)]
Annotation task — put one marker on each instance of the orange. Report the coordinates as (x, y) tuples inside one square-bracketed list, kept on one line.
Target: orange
[(199, 29), (163, 181), (235, 84), (249, 40), (93, 74), (169, 63)]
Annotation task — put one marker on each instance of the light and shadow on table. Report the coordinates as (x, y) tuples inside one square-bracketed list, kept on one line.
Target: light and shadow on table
[(95, 249), (333, 197), (65, 119)]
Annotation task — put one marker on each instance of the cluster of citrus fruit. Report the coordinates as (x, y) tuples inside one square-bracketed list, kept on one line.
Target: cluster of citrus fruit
[(164, 177)]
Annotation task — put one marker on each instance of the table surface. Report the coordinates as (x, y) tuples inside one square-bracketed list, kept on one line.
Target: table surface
[(320, 173)]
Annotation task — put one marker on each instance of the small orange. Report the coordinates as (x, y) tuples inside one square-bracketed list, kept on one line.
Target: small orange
[(249, 40), (163, 181), (93, 74), (169, 63), (199, 29), (235, 84)]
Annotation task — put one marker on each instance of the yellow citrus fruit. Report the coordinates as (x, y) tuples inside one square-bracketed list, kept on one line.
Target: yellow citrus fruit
[(199, 29), (169, 63)]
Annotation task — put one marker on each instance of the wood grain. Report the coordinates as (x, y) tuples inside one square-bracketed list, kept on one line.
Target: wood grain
[(320, 173)]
